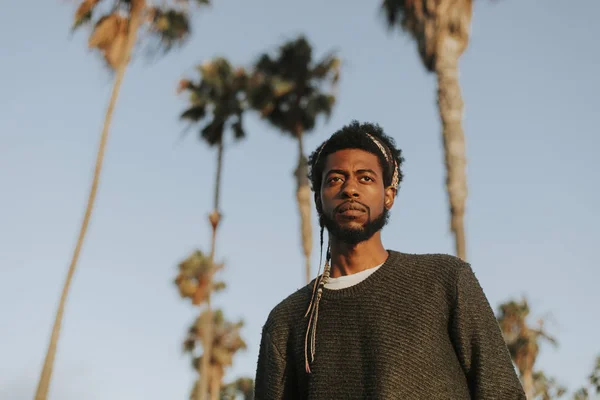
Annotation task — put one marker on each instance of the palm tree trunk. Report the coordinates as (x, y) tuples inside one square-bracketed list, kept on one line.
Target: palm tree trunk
[(215, 384), (215, 389), (207, 340), (528, 386), (46, 374), (450, 105), (218, 175), (303, 195)]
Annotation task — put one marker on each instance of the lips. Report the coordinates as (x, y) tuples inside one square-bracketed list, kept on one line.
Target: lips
[(351, 208)]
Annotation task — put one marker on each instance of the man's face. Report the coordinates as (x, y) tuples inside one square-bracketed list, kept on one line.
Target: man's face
[(354, 202)]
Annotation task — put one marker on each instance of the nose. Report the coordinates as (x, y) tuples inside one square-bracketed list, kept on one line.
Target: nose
[(350, 189)]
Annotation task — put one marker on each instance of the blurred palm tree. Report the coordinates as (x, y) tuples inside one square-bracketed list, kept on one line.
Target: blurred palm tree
[(195, 278), (291, 91), (114, 35), (226, 343), (593, 384), (243, 387), (523, 343), (217, 102), (195, 281), (441, 29)]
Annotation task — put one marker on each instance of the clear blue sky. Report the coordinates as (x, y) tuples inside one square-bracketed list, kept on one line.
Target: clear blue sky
[(530, 83)]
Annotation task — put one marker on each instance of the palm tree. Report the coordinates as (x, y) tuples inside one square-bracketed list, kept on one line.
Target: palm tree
[(291, 91), (114, 35), (441, 29), (217, 100), (523, 344), (195, 281), (226, 343)]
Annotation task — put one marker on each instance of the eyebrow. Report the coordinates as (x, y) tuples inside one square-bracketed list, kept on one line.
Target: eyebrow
[(342, 172)]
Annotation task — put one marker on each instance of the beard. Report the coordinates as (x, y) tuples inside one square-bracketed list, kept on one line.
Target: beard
[(353, 236)]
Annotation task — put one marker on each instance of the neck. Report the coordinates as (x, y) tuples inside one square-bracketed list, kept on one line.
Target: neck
[(349, 259)]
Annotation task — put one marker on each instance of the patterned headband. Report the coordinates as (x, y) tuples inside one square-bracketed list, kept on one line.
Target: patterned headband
[(382, 148)]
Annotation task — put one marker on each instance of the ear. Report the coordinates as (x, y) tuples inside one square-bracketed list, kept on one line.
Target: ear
[(389, 197)]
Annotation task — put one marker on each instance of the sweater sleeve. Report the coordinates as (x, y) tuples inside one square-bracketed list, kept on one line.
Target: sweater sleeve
[(273, 380), (479, 343)]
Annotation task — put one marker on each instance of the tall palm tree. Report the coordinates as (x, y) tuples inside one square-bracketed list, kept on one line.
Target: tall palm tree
[(217, 101), (114, 35), (291, 91), (441, 29), (523, 342), (226, 343)]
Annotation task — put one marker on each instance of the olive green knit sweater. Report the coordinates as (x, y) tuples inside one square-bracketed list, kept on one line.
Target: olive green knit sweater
[(420, 327)]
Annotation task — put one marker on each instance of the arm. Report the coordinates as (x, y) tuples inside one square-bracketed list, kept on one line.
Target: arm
[(273, 380), (479, 343)]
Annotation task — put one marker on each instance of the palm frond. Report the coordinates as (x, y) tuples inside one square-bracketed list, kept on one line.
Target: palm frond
[(218, 286), (428, 22), (189, 344), (243, 387), (238, 129), (291, 91), (171, 26), (219, 99), (84, 13), (212, 133), (320, 104), (329, 65), (393, 11), (194, 113), (193, 277), (105, 31), (109, 36)]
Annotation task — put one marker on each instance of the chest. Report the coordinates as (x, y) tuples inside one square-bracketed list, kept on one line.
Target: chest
[(374, 347), (378, 329)]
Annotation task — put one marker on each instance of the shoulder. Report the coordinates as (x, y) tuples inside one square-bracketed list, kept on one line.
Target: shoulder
[(444, 273), (288, 312), (444, 266), (436, 275)]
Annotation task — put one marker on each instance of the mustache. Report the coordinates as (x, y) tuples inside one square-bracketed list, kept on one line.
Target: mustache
[(353, 204)]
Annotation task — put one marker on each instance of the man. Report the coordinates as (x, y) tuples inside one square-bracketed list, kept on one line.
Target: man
[(379, 324)]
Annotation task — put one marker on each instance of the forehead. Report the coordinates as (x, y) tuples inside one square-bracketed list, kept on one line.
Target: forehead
[(352, 159)]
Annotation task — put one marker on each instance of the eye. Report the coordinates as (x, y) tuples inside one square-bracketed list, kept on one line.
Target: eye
[(367, 178), (334, 179)]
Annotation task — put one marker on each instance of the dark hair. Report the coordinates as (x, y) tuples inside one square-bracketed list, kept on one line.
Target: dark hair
[(355, 136)]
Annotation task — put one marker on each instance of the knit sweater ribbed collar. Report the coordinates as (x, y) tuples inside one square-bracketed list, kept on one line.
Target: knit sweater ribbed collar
[(371, 282)]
